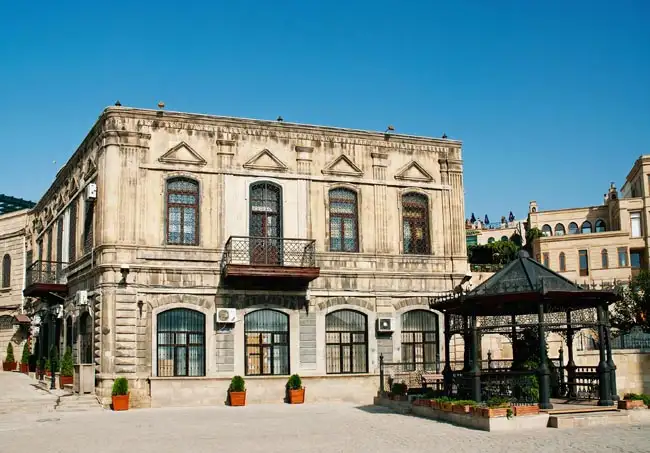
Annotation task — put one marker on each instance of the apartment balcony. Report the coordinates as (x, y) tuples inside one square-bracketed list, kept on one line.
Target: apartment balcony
[(46, 277), (264, 261)]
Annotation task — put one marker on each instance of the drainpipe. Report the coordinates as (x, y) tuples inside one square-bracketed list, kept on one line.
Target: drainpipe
[(22, 296)]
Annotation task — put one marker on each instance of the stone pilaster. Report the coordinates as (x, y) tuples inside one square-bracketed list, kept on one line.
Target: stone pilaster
[(307, 340), (125, 332), (304, 159), (379, 164), (225, 154), (446, 209)]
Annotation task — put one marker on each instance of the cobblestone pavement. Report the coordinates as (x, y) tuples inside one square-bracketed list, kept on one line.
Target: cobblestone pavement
[(283, 428)]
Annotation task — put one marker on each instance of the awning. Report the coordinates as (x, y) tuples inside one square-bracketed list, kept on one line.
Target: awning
[(22, 319)]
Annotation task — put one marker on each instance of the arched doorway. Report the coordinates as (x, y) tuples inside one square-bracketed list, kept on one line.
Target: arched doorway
[(86, 338)]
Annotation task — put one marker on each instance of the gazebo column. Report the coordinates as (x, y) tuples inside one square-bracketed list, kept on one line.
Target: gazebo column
[(467, 344), (475, 371), (543, 371), (610, 358), (571, 365), (447, 373), (604, 386)]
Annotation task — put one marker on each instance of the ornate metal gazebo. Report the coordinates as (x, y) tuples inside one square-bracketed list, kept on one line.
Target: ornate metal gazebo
[(524, 297)]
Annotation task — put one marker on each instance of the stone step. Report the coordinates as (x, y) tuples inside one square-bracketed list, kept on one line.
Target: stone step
[(588, 419), (80, 409)]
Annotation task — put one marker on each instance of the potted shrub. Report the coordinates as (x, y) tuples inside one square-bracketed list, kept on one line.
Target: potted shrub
[(495, 407), (120, 394), (463, 406), (447, 405), (10, 362), (296, 390), (24, 360), (398, 391), (237, 391), (48, 372), (632, 401), (67, 368)]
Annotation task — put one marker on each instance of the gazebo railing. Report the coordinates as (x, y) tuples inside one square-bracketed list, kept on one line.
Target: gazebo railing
[(416, 375), (520, 387), (581, 383)]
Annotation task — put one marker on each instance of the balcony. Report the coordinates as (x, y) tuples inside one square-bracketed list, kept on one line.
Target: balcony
[(46, 277), (264, 262)]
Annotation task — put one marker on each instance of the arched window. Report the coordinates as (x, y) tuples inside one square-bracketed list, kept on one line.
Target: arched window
[(415, 223), (573, 228), (547, 231), (266, 335), (420, 339), (346, 338), (6, 271), (586, 227), (600, 226), (604, 259), (182, 211), (504, 238), (559, 230), (491, 240), (181, 342), (265, 222), (344, 224), (562, 262)]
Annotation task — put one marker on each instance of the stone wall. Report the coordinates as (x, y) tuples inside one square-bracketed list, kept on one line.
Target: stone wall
[(632, 368)]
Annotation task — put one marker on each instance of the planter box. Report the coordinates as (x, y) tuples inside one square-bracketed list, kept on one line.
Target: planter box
[(8, 366), (447, 407), (526, 410), (630, 404), (120, 402), (490, 412), (435, 405), (237, 398), (24, 368), (65, 380), (461, 408), (297, 396)]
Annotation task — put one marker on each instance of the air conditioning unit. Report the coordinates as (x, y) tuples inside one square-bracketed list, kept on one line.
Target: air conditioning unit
[(81, 298), (226, 315), (384, 325), (91, 191)]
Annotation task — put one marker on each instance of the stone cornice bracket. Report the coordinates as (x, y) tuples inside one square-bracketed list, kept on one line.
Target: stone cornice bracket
[(126, 138), (304, 159), (225, 153)]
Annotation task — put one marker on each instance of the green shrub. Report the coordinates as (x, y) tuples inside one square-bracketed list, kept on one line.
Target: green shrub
[(47, 365), (638, 397), (120, 387), (294, 382), (10, 353), (237, 384), (497, 402), (399, 388), (25, 358), (443, 399), (67, 365), (466, 403)]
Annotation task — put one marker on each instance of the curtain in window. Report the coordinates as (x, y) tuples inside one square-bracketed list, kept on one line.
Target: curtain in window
[(346, 338), (420, 339), (182, 211), (343, 220), (181, 343), (266, 335)]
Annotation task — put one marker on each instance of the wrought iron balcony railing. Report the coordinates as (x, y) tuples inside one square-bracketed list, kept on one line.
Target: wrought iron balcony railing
[(47, 273), (267, 251)]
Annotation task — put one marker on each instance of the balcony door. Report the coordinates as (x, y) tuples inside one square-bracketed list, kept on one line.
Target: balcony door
[(265, 229)]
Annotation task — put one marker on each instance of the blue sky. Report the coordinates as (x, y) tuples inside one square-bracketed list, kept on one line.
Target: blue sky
[(551, 99)]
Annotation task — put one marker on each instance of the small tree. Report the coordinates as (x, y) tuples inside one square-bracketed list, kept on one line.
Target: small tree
[(294, 382), (25, 357), (120, 387), (237, 384), (67, 365), (10, 354), (633, 306)]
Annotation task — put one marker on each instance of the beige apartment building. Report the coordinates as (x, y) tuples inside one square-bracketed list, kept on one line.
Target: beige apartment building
[(599, 244), (178, 250)]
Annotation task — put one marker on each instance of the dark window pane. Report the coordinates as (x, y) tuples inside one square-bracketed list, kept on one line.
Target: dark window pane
[(343, 220), (415, 223), (420, 339), (266, 335), (182, 211), (346, 337), (181, 343)]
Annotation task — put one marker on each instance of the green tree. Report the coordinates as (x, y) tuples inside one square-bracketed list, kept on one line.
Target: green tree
[(634, 304), (532, 234), (10, 354), (25, 357), (67, 364)]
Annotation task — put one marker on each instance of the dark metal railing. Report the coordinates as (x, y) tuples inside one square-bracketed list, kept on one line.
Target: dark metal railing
[(636, 338), (269, 251), (416, 375), (46, 272), (486, 267), (582, 382)]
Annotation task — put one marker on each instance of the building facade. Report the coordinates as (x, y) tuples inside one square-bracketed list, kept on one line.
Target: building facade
[(179, 250)]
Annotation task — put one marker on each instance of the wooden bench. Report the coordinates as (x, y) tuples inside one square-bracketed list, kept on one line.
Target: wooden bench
[(435, 380)]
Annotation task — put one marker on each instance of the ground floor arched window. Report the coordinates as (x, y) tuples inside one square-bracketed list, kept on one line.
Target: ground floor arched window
[(420, 339), (267, 342), (346, 334), (180, 335)]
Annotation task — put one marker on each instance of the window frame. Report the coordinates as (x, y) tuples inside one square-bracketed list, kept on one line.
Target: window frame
[(600, 226), (604, 259), (546, 259), (557, 230), (196, 206), (546, 228), (72, 232), (636, 215), (341, 345), (175, 345), (571, 229), (621, 252), (562, 262), (413, 345), (583, 271), (425, 219), (586, 225), (267, 348), (354, 216), (6, 271)]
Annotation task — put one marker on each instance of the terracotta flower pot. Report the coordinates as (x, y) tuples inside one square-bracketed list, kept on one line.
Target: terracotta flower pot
[(65, 380), (526, 410), (297, 396), (461, 408), (120, 402), (447, 407), (237, 398), (630, 404), (8, 366)]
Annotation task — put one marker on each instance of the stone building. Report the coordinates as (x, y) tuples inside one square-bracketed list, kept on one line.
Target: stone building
[(14, 327), (178, 250)]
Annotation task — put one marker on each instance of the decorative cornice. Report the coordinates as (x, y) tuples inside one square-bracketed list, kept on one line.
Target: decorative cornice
[(255, 163), (423, 174), (169, 156), (351, 170)]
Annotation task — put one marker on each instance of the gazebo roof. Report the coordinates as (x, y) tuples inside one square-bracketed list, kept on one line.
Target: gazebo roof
[(519, 287)]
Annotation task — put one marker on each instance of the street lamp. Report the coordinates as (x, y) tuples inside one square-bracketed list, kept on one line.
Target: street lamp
[(52, 351)]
